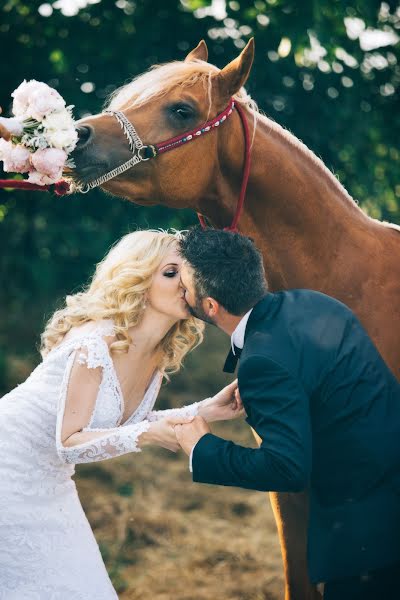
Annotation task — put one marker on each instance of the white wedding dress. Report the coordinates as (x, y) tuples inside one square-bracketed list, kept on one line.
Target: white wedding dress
[(47, 548)]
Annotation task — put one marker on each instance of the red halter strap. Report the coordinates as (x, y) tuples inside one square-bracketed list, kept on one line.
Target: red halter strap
[(195, 133), (245, 178)]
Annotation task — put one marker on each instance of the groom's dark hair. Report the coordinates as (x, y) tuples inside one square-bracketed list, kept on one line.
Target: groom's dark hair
[(227, 267)]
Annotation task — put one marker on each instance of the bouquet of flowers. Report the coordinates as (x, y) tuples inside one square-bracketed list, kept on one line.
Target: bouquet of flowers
[(42, 133)]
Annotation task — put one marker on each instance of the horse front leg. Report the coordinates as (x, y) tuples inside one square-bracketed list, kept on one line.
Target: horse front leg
[(291, 517)]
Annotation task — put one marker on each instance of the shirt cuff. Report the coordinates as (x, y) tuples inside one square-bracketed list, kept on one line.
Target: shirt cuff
[(191, 458)]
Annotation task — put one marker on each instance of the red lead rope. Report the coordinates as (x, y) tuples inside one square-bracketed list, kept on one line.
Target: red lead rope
[(60, 188), (245, 178)]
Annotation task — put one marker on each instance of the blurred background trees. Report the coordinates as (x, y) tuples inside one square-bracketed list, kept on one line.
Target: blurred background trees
[(325, 69)]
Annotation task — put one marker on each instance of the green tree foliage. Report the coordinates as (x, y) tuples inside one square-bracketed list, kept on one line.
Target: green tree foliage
[(325, 69)]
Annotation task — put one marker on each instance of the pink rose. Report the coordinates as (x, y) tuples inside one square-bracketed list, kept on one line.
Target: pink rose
[(49, 162), (35, 99), (5, 148), (43, 102), (39, 178), (23, 94), (15, 158)]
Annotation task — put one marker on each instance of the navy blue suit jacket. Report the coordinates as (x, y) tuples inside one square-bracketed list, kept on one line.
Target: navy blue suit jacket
[(327, 409)]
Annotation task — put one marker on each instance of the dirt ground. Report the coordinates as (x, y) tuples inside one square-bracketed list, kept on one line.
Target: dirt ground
[(164, 537)]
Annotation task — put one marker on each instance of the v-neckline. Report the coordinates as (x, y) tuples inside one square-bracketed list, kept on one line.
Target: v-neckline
[(104, 328), (139, 406)]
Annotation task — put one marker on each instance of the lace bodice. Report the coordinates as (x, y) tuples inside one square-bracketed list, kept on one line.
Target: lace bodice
[(108, 436)]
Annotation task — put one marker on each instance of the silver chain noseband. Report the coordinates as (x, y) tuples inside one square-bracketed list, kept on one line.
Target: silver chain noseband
[(140, 153)]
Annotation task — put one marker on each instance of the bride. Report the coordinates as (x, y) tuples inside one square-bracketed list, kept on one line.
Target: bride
[(105, 355)]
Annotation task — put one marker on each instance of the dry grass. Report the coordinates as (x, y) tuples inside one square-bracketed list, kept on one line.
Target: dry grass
[(164, 537)]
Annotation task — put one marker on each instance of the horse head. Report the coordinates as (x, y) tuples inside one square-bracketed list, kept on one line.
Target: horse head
[(163, 103)]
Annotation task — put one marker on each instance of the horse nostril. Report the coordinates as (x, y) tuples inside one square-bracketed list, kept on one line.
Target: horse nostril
[(84, 134)]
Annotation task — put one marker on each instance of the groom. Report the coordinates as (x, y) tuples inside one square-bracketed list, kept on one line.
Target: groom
[(325, 405)]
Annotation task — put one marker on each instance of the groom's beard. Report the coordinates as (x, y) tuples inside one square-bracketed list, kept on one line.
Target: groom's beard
[(198, 312)]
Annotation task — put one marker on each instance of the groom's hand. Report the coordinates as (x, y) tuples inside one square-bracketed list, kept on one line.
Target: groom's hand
[(189, 434), (225, 405)]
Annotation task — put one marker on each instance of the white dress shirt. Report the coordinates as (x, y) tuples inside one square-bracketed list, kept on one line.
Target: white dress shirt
[(237, 339)]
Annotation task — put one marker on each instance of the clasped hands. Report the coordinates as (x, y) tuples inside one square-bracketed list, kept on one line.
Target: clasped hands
[(184, 432)]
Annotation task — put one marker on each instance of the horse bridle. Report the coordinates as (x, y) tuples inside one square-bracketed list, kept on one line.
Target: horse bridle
[(142, 152)]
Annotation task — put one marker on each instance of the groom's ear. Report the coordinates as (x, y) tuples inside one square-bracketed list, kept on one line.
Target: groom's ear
[(212, 307)]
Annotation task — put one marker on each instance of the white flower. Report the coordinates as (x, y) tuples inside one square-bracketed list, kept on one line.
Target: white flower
[(63, 139), (15, 157), (59, 130), (61, 119), (13, 125), (49, 162)]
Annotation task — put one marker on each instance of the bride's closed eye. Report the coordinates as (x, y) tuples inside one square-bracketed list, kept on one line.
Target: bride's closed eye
[(170, 273)]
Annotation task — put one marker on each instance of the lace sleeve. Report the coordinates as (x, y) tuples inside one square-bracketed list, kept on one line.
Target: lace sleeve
[(87, 368), (191, 410), (102, 444)]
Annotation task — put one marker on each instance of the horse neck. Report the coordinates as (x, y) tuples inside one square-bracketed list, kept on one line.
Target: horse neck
[(297, 212)]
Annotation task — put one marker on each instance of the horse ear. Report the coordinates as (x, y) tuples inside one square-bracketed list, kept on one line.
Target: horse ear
[(199, 53), (232, 77)]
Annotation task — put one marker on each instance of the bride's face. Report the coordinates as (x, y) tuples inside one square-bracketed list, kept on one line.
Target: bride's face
[(166, 295)]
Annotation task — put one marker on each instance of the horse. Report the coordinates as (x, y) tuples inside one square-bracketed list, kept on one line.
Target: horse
[(311, 232)]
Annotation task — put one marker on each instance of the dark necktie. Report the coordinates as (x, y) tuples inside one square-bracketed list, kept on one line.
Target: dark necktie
[(231, 360)]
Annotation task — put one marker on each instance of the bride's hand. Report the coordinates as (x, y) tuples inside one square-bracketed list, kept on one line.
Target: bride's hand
[(225, 405), (162, 433)]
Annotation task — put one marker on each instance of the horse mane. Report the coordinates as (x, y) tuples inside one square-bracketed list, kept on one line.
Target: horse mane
[(298, 146), (160, 79)]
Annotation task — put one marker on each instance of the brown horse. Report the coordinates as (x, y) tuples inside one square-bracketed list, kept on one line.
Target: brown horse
[(312, 234)]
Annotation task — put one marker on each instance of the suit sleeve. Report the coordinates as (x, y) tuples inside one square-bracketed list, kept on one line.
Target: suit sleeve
[(278, 409)]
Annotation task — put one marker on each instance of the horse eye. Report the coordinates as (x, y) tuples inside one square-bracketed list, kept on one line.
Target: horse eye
[(182, 111)]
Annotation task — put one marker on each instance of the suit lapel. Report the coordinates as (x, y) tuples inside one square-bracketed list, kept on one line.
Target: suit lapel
[(260, 311)]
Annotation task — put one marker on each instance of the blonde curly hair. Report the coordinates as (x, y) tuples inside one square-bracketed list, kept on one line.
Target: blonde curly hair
[(118, 290)]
